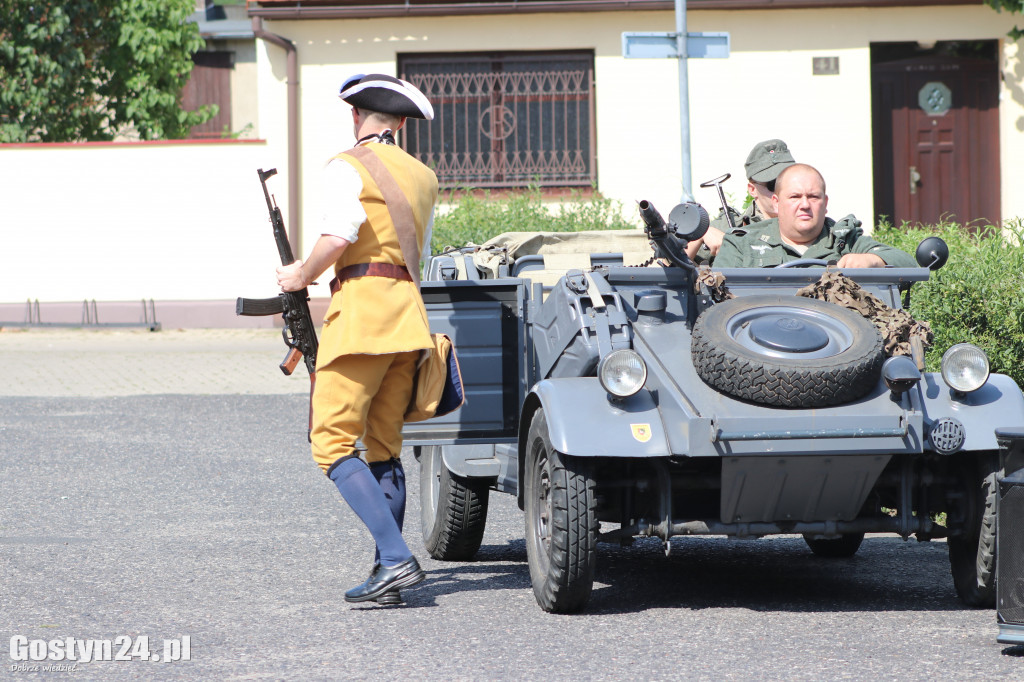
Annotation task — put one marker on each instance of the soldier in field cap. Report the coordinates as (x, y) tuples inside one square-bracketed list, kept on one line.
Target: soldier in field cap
[(764, 163), (801, 230), (376, 324)]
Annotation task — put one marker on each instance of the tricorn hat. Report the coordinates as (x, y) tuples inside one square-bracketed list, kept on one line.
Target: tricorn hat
[(386, 94), (767, 159)]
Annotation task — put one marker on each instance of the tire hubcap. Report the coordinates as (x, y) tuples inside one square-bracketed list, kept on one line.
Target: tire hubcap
[(782, 331), (787, 333)]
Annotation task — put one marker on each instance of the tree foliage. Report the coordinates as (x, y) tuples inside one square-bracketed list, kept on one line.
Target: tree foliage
[(1011, 6), (79, 70), (976, 296)]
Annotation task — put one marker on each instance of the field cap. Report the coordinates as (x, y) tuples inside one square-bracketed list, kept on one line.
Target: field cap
[(386, 94), (767, 159)]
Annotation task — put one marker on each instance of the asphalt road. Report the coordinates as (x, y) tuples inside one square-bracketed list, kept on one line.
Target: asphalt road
[(197, 512)]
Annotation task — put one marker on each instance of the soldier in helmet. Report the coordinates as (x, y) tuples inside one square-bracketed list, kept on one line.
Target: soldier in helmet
[(764, 163)]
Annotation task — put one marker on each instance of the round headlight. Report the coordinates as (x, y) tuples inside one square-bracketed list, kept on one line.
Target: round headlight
[(622, 372), (965, 368)]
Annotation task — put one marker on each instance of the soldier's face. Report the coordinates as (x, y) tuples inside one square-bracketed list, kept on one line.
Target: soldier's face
[(801, 204), (762, 196)]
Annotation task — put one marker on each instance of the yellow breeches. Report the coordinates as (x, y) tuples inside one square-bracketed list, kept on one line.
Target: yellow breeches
[(361, 397)]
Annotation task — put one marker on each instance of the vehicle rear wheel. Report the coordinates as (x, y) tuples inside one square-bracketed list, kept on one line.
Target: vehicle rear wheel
[(787, 351), (972, 554), (453, 510), (561, 523), (843, 547)]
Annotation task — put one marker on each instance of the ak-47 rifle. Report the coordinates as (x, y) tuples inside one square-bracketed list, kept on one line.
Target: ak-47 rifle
[(299, 332)]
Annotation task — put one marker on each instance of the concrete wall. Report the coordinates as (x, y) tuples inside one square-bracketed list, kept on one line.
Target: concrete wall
[(182, 221)]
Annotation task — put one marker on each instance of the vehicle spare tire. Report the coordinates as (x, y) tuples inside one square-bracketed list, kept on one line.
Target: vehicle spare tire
[(787, 351)]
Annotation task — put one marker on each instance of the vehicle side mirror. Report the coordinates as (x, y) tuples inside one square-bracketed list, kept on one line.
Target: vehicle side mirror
[(932, 253), (690, 220)]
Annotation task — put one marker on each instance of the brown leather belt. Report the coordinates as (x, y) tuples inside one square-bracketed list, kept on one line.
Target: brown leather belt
[(370, 270)]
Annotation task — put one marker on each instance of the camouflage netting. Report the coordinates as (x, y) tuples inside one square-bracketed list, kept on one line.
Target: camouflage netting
[(715, 283), (507, 247), (896, 326)]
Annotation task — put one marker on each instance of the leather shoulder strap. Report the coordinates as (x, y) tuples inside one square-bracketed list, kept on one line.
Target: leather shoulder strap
[(398, 207)]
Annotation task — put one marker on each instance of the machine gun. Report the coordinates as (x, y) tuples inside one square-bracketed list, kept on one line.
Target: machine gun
[(686, 222), (299, 332)]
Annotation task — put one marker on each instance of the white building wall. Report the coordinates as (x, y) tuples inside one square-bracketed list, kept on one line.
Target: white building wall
[(127, 221), (765, 89), (187, 222)]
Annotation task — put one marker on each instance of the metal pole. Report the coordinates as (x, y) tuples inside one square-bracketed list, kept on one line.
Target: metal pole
[(684, 99), (292, 77)]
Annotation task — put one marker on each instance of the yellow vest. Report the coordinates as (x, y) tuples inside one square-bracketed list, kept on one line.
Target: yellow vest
[(379, 315)]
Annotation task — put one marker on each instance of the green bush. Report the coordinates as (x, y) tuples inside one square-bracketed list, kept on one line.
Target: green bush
[(977, 297), (475, 219)]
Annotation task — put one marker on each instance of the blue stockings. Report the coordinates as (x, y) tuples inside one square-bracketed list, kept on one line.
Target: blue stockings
[(391, 478), (380, 505)]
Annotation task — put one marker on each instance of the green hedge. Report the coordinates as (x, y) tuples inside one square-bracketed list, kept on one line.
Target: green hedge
[(977, 297), (473, 219)]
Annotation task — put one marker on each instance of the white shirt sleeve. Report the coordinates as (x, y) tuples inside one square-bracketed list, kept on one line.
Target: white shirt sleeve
[(342, 213)]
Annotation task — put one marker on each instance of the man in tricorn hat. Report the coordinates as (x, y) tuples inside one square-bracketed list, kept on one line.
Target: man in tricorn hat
[(376, 324), (764, 163)]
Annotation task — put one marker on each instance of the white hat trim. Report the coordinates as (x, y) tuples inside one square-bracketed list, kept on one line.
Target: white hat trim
[(403, 87)]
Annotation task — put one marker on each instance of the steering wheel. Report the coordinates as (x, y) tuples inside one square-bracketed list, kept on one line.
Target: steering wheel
[(803, 261)]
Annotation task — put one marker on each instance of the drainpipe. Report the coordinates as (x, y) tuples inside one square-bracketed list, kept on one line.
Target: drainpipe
[(292, 79)]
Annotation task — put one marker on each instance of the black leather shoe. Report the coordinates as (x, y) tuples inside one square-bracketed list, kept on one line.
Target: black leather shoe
[(390, 598), (387, 578)]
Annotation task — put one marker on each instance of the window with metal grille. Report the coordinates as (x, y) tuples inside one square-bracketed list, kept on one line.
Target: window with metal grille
[(505, 119)]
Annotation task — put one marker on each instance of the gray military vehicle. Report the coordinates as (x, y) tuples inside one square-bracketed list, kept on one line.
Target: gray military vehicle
[(617, 393)]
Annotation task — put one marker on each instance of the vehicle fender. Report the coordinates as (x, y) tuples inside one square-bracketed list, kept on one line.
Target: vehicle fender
[(471, 461), (999, 403), (584, 422)]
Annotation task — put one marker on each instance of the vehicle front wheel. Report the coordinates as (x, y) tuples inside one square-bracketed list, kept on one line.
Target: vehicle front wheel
[(561, 522), (842, 547), (972, 554), (453, 510)]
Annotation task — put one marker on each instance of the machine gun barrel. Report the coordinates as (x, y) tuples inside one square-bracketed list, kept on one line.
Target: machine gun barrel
[(656, 226), (666, 241)]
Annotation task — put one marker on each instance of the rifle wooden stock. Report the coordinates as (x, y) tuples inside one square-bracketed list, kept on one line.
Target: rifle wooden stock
[(291, 360)]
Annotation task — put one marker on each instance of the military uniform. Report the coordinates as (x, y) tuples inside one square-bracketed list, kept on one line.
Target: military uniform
[(751, 215), (764, 163), (374, 327), (376, 324), (761, 246)]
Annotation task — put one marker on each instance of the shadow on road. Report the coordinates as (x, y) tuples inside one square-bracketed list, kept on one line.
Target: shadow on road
[(776, 574)]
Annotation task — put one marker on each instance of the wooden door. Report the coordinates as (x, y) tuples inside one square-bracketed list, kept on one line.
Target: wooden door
[(936, 146), (210, 83)]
